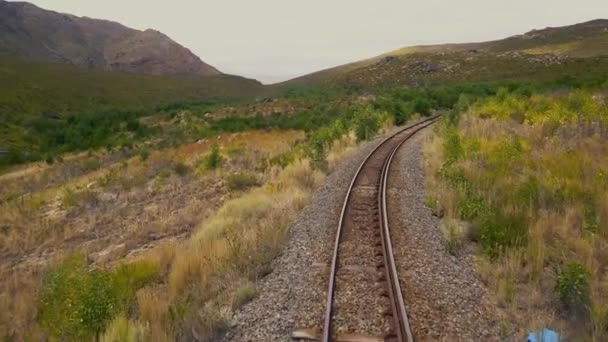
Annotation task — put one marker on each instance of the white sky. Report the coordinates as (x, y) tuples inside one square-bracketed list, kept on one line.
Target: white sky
[(275, 40)]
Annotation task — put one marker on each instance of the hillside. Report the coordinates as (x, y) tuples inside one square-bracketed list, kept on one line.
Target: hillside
[(536, 55), (34, 94), (30, 32)]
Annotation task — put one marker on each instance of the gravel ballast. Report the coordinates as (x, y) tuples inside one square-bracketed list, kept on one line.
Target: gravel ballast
[(448, 301), (293, 295), (444, 296)]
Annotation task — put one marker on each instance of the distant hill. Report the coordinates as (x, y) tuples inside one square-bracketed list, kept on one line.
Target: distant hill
[(538, 54), (27, 31), (29, 88), (32, 93)]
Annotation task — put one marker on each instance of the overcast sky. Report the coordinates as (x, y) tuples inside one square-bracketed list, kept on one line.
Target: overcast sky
[(274, 40)]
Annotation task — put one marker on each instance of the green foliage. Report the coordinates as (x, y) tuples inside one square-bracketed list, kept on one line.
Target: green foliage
[(320, 142), (306, 121), (470, 207), (78, 302), (129, 278), (144, 154), (318, 153), (572, 287), (241, 180), (366, 123), (498, 232), (49, 109), (213, 160), (281, 160), (591, 220), (452, 148), (422, 106), (527, 195), (454, 176), (133, 125)]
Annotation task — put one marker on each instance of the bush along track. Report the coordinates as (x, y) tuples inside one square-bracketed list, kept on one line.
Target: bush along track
[(523, 177)]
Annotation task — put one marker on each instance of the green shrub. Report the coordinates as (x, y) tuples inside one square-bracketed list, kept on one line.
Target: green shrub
[(318, 153), (452, 147), (133, 125), (213, 160), (454, 176), (241, 180), (76, 303), (281, 160), (144, 154), (470, 207), (528, 193), (366, 124), (129, 278), (497, 232), (591, 221), (422, 106), (572, 287)]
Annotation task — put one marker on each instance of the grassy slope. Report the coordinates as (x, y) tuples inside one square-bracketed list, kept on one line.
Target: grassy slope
[(528, 174), (30, 88), (580, 41), (30, 91)]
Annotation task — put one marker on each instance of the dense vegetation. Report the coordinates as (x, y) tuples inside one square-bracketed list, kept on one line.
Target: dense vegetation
[(46, 109), (527, 170), (78, 303)]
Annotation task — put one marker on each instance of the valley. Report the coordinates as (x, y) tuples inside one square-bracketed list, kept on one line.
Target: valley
[(147, 196)]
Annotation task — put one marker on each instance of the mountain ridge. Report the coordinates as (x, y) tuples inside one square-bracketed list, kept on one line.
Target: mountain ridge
[(582, 40), (28, 31)]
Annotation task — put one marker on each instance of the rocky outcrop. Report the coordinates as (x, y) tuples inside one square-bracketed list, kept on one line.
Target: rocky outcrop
[(34, 33)]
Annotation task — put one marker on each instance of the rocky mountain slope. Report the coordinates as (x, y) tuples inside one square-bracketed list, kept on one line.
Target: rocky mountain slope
[(28, 31), (533, 55)]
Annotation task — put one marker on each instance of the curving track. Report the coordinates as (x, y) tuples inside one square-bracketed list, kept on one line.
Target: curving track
[(364, 298)]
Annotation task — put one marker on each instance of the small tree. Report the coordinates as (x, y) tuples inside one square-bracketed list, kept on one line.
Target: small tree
[(572, 287), (76, 303), (366, 123), (318, 153), (214, 160)]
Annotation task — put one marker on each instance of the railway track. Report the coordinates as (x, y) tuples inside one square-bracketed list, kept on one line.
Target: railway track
[(364, 298)]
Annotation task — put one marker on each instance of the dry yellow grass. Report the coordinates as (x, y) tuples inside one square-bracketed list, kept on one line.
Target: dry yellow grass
[(145, 209), (216, 271), (541, 183), (122, 209)]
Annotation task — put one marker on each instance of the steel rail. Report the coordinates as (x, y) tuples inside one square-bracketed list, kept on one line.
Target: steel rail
[(401, 322), (327, 334)]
